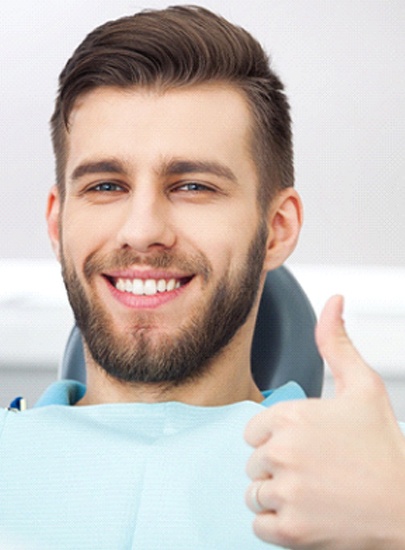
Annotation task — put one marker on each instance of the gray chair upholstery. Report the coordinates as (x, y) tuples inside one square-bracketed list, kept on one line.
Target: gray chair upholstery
[(283, 345)]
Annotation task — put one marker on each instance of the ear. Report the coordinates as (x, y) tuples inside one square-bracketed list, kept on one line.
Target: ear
[(53, 209), (284, 223)]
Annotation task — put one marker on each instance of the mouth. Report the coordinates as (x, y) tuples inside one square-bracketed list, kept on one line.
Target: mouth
[(148, 287)]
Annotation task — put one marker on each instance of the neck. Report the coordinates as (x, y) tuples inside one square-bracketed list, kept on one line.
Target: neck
[(228, 380)]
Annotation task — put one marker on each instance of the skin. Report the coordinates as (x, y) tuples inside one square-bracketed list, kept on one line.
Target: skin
[(330, 473), (153, 208)]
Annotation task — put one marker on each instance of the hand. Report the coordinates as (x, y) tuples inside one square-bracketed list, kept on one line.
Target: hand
[(330, 474)]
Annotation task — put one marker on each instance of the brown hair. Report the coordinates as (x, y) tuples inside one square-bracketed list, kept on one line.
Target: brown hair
[(175, 47)]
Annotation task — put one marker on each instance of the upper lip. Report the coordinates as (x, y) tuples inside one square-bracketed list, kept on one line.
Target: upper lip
[(146, 274)]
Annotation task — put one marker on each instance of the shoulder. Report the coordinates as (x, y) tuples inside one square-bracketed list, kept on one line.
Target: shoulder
[(62, 392), (18, 422)]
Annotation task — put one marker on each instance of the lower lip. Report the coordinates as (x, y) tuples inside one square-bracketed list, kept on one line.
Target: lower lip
[(135, 301)]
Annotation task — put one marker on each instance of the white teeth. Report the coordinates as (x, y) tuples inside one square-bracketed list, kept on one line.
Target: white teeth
[(120, 285), (128, 285), (148, 287), (161, 285), (137, 287), (171, 284)]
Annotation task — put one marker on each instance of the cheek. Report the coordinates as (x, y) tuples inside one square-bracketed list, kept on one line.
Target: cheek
[(81, 236), (226, 248)]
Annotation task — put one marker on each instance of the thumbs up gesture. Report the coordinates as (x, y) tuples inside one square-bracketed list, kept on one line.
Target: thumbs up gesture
[(330, 473)]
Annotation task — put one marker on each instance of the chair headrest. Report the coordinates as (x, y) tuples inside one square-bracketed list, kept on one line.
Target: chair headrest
[(284, 346)]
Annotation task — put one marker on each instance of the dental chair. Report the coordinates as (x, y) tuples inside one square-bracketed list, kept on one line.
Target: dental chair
[(283, 345)]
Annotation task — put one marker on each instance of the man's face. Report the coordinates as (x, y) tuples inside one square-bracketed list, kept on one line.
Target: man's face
[(161, 241)]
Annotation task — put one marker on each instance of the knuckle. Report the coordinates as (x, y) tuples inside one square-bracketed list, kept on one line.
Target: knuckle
[(261, 462), (287, 527), (269, 529), (373, 386), (283, 533), (291, 531), (287, 414), (254, 465), (281, 453), (263, 529), (257, 429), (268, 457)]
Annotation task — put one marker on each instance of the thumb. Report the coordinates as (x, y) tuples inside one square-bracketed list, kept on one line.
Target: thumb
[(348, 368)]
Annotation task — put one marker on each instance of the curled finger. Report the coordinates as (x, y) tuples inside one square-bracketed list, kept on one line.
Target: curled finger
[(259, 497), (259, 465)]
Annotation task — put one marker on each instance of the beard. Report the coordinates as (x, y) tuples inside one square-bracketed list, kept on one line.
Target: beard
[(186, 355)]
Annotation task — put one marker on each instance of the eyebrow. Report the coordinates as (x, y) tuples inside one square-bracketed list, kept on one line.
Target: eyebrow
[(179, 167), (170, 168), (98, 167)]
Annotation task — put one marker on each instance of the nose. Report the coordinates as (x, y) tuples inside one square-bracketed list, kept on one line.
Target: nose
[(146, 224)]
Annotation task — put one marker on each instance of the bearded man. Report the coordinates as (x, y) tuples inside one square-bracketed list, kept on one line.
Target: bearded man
[(174, 198)]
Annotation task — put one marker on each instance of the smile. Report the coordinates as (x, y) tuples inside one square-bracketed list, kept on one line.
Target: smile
[(148, 287)]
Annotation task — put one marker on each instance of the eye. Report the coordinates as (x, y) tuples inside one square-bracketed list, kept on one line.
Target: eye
[(194, 187), (107, 187)]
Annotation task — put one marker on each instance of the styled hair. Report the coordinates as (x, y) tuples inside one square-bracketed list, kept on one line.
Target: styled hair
[(178, 47)]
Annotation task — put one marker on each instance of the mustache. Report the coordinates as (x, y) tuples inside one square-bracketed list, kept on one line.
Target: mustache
[(97, 263)]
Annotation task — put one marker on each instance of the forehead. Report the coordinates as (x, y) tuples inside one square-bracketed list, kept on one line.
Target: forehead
[(143, 125)]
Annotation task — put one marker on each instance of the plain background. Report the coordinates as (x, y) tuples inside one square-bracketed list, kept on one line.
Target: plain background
[(343, 65)]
